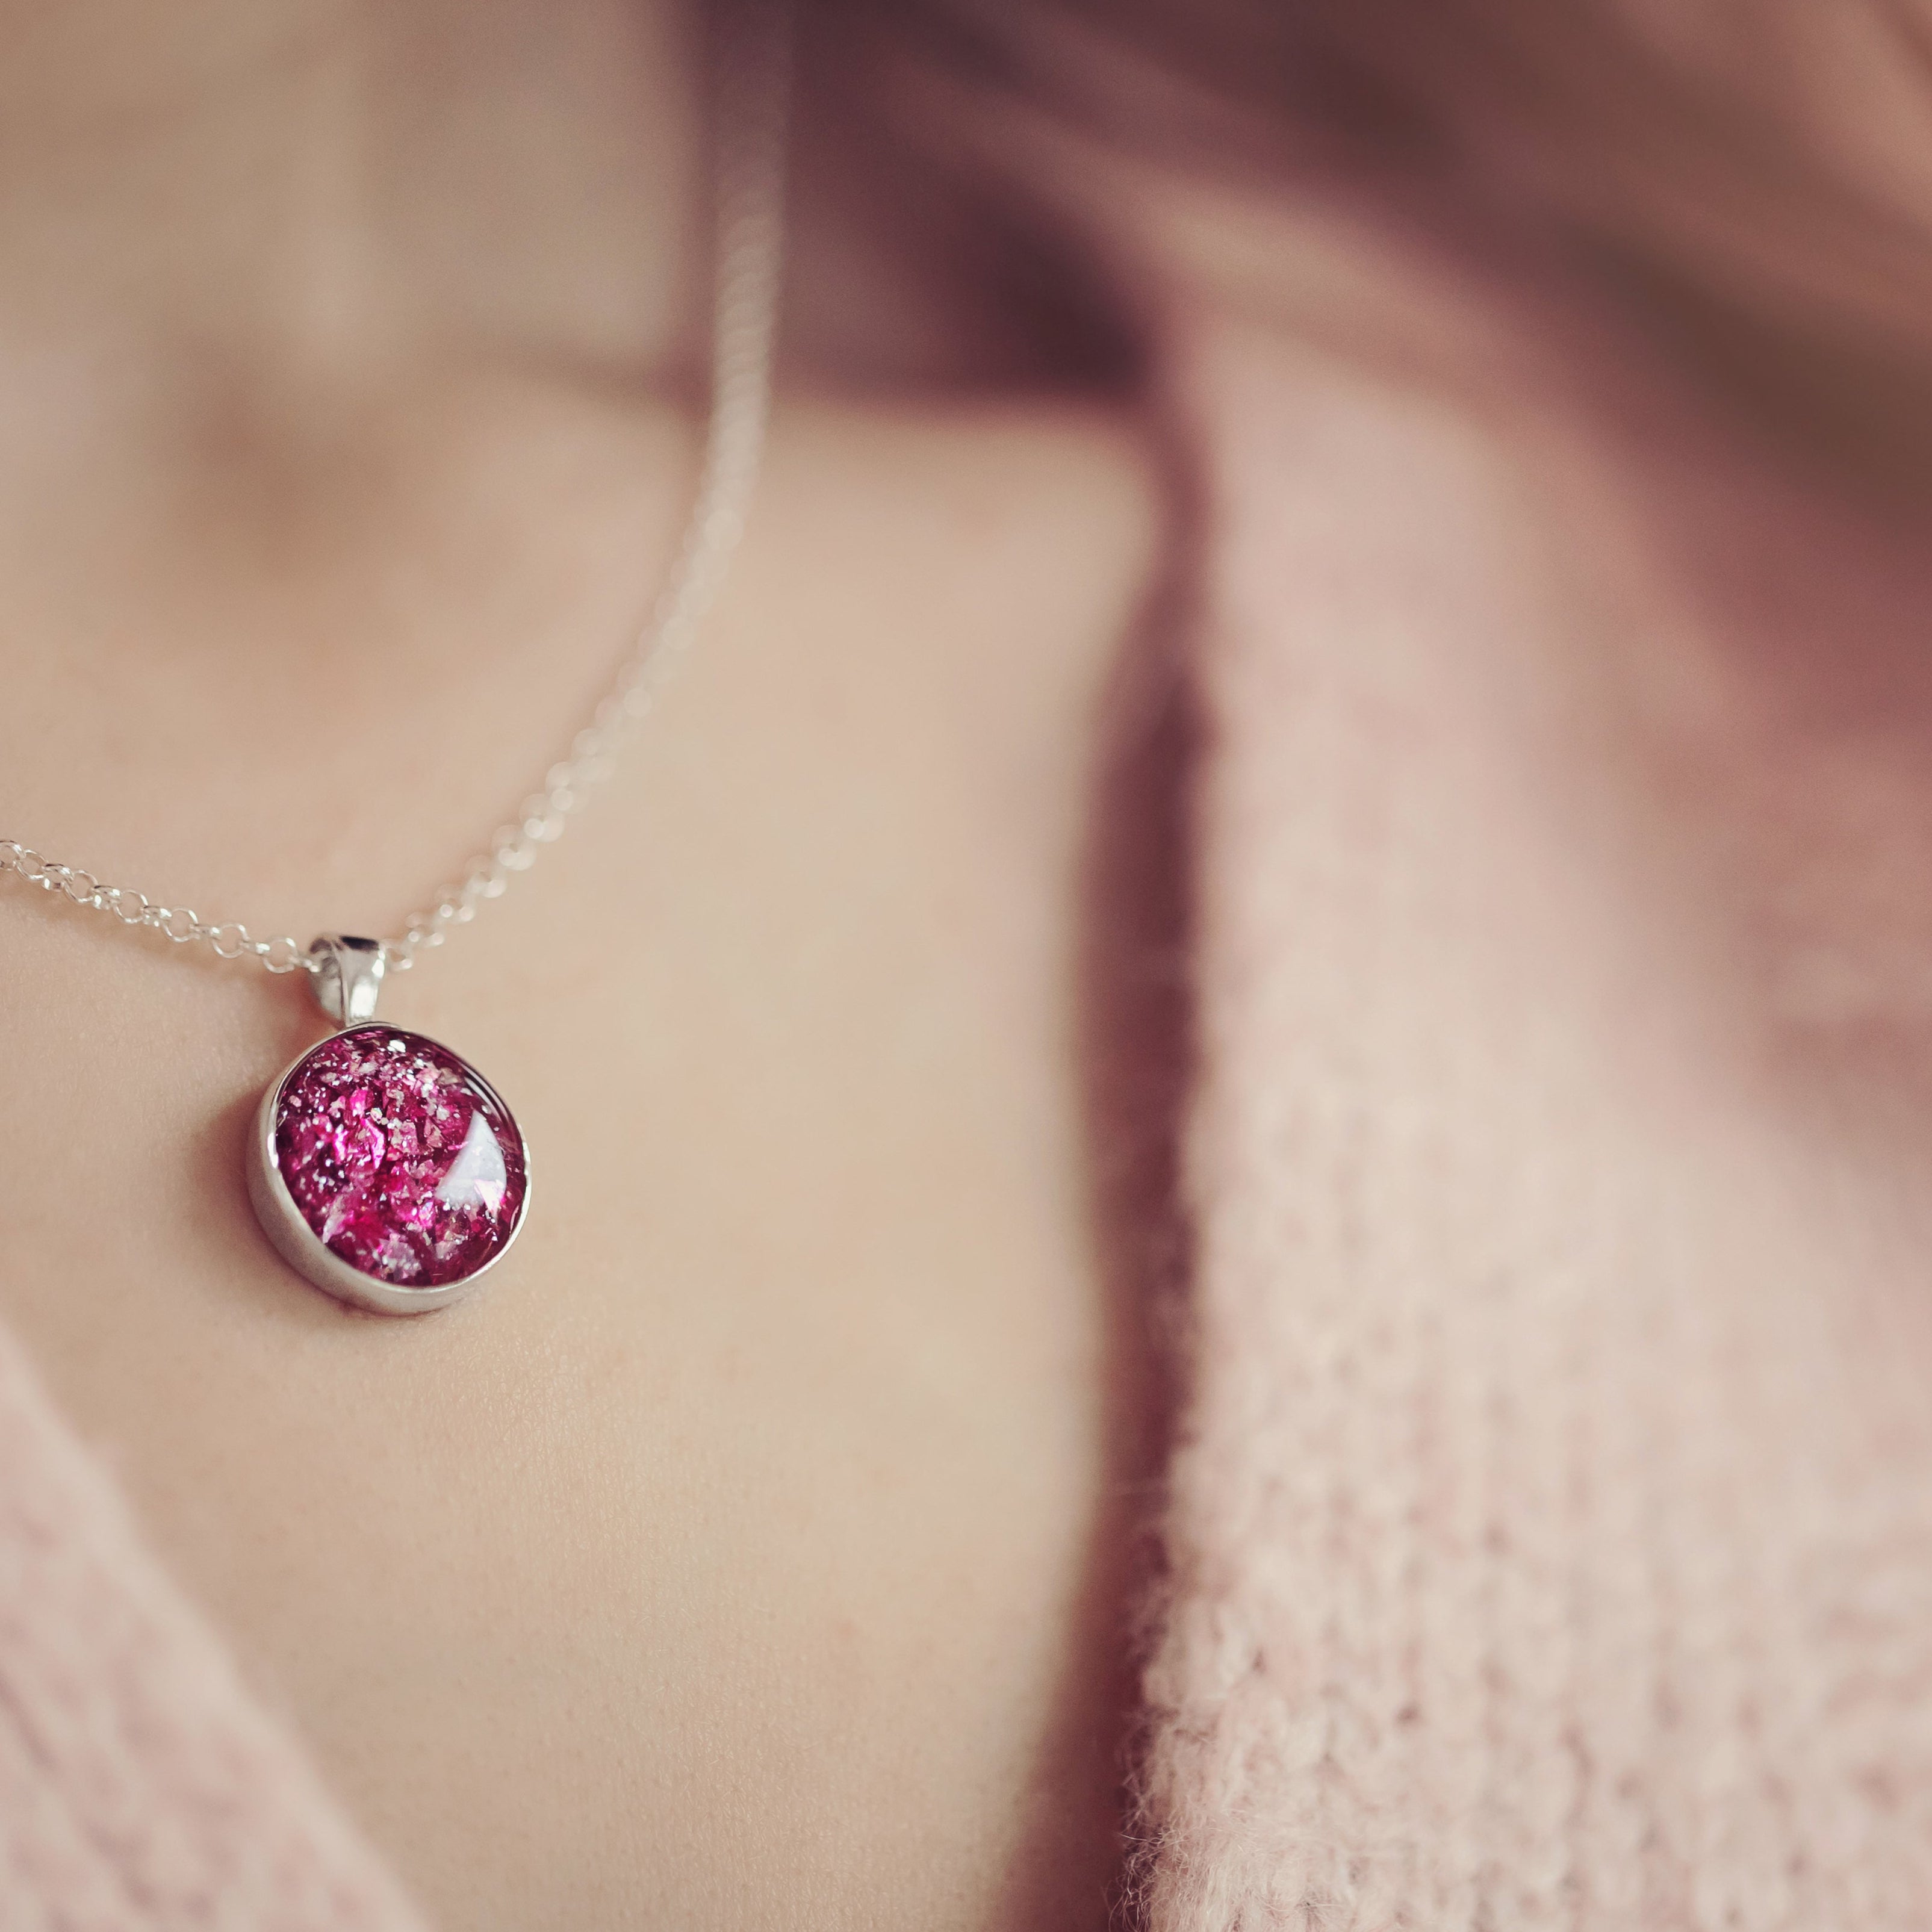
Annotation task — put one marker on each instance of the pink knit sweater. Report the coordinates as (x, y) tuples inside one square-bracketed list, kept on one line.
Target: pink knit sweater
[(1550, 1535)]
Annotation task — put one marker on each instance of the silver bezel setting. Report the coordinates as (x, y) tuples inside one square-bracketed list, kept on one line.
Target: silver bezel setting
[(297, 1243)]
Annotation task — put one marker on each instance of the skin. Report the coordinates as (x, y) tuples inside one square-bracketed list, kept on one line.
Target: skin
[(750, 1554)]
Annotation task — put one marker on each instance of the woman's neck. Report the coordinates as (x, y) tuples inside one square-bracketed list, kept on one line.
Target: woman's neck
[(227, 199)]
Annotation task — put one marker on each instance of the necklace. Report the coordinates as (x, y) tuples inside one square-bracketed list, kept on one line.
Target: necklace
[(383, 1166)]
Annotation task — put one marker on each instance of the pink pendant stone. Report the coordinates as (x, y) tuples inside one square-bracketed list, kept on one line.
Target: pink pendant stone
[(400, 1157)]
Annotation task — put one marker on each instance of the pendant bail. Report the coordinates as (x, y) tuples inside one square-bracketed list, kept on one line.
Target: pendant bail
[(350, 977)]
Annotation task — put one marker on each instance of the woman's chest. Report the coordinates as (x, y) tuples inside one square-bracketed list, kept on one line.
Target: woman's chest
[(746, 1552)]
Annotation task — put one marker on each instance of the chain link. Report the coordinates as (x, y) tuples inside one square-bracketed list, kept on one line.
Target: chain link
[(228, 940), (754, 88)]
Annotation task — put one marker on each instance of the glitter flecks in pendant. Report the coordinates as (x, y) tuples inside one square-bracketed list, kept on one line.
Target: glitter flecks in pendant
[(387, 1171)]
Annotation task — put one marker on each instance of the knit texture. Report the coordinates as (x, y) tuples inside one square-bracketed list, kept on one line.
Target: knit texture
[(141, 1788), (1550, 1538)]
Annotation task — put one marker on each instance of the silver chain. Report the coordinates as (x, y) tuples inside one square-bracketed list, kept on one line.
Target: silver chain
[(753, 111)]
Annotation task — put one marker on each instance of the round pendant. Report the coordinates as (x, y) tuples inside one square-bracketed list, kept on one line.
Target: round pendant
[(387, 1171)]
